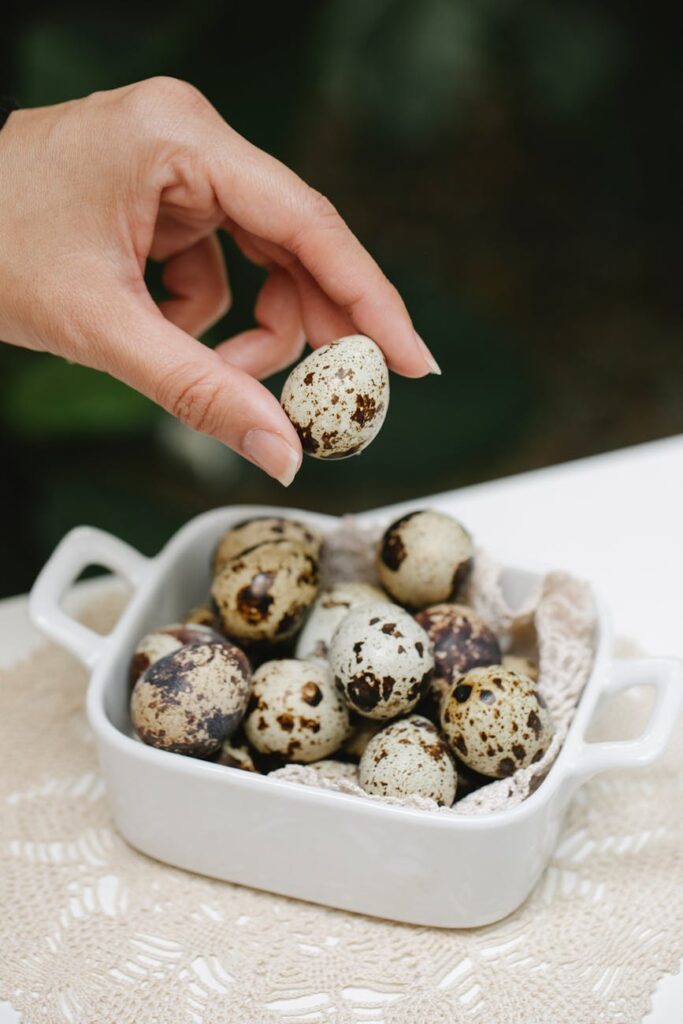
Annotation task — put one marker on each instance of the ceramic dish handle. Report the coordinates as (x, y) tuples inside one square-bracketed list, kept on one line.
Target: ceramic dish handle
[(81, 547), (666, 676)]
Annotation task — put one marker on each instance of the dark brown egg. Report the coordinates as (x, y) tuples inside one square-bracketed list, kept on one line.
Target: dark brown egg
[(164, 641), (264, 593), (190, 701), (495, 721)]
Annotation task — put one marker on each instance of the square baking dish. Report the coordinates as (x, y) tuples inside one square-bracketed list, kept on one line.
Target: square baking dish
[(420, 867)]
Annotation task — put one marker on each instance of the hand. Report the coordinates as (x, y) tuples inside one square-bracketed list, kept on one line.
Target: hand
[(89, 190)]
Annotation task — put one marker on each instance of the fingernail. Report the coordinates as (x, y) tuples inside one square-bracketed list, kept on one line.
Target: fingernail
[(429, 358), (270, 452)]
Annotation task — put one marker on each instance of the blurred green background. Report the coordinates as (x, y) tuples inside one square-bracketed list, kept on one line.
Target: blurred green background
[(510, 164)]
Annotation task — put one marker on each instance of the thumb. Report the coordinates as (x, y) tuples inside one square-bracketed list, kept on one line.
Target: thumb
[(143, 349)]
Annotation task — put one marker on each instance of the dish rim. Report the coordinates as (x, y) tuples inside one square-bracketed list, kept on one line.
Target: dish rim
[(562, 769)]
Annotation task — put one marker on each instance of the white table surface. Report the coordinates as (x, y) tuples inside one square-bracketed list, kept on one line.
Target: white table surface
[(616, 519)]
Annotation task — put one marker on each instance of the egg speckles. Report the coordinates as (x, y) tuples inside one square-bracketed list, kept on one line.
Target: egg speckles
[(462, 641), (409, 758), (164, 641), (259, 530), (424, 558), (264, 593), (381, 659), (337, 397), (295, 711), (191, 700), (235, 755), (496, 721), (330, 608)]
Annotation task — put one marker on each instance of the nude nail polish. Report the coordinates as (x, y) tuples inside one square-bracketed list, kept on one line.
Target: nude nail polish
[(271, 453), (429, 358)]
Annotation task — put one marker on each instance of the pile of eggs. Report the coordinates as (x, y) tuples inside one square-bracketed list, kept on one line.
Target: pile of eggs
[(397, 685)]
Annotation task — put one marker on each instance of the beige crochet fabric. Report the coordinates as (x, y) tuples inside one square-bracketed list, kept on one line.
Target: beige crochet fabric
[(92, 932)]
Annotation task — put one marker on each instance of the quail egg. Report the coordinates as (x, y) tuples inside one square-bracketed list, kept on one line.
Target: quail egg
[(337, 397), (265, 592), (164, 641), (521, 665), (295, 711), (496, 721), (363, 731), (409, 758), (335, 771), (255, 531), (328, 611), (202, 615), (424, 558), (462, 641), (381, 659), (191, 700), (235, 754)]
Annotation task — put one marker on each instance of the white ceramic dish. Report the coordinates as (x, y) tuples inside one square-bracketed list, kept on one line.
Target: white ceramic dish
[(414, 866)]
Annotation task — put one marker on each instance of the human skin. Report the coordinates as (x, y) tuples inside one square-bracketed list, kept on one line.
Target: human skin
[(92, 189)]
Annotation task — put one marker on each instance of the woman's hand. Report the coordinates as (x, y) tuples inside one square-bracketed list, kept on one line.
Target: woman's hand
[(90, 189)]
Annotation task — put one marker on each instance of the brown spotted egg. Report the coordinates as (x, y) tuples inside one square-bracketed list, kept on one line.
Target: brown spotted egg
[(462, 641), (424, 558), (337, 397), (523, 666), (328, 611), (495, 721), (164, 641), (409, 758), (255, 531), (191, 700), (234, 754), (381, 659), (264, 593), (295, 711)]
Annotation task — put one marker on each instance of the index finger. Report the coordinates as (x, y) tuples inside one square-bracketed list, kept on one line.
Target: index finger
[(269, 200)]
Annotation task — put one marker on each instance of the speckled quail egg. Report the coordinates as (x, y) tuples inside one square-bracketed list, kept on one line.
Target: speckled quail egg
[(328, 611), (462, 641), (523, 666), (164, 641), (337, 397), (363, 729), (381, 659), (255, 531), (191, 700), (496, 721), (424, 558), (295, 711), (234, 754), (409, 758), (265, 592), (335, 771), (202, 615)]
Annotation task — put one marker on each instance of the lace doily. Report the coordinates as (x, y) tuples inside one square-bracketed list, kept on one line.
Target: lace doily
[(92, 932)]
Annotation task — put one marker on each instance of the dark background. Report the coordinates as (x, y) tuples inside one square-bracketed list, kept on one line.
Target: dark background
[(510, 164)]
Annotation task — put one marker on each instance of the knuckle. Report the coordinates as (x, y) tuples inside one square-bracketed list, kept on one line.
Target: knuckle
[(192, 397), (316, 214), (321, 210), (154, 95)]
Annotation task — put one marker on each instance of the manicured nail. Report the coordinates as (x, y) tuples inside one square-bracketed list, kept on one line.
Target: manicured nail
[(273, 454), (429, 358)]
